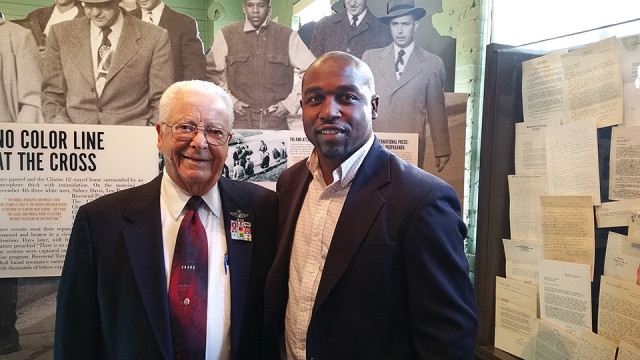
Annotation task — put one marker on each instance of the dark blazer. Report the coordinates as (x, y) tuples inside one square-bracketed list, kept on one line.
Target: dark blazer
[(189, 61), (42, 15), (141, 70), (413, 102), (395, 284), (112, 299), (335, 33)]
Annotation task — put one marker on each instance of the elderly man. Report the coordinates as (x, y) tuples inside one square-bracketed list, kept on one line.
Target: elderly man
[(189, 62), (371, 262), (146, 277), (410, 83), (106, 68), (256, 60), (353, 30)]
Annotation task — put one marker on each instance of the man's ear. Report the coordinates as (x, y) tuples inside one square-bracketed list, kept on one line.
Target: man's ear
[(374, 107)]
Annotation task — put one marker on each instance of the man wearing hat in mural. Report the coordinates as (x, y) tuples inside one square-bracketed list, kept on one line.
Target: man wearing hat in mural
[(105, 68), (353, 30), (410, 83)]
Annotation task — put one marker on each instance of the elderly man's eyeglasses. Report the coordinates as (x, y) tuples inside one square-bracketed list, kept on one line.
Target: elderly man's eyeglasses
[(186, 132)]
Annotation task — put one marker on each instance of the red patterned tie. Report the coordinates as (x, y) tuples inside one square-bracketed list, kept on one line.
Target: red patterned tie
[(188, 286)]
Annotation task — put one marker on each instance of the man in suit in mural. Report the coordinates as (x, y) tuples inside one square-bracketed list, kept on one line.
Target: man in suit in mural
[(107, 68), (410, 83), (62, 10), (119, 295), (353, 30), (189, 62), (256, 60), (370, 263)]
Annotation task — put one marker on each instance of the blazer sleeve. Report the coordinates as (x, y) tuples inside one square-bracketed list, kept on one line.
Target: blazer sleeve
[(160, 74), (77, 317), (54, 83), (436, 110), (442, 302)]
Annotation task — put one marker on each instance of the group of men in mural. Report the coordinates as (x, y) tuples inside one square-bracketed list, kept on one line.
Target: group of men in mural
[(92, 78), (93, 62)]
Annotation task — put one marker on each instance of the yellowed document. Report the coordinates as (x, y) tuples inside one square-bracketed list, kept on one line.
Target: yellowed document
[(567, 229), (516, 312), (624, 167), (622, 259), (594, 347), (522, 260), (593, 85), (629, 60), (627, 351), (524, 206), (543, 88), (616, 213), (619, 310), (565, 295), (552, 342), (572, 159), (531, 147)]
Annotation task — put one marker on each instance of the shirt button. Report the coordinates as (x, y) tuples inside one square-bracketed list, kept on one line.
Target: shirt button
[(312, 270)]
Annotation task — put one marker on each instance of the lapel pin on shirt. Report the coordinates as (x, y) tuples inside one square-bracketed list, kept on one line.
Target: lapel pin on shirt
[(240, 229)]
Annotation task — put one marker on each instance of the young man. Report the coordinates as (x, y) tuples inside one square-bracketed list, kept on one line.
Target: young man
[(256, 60), (371, 262)]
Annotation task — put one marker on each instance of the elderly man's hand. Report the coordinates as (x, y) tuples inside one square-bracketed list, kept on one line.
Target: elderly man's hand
[(441, 161), (239, 107)]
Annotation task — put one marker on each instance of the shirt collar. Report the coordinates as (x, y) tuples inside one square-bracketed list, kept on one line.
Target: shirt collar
[(407, 51), (249, 28), (116, 29), (175, 198), (156, 13), (360, 17), (346, 171)]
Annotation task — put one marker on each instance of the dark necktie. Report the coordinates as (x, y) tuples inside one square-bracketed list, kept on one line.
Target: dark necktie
[(399, 61), (354, 21), (104, 60), (151, 18), (188, 286)]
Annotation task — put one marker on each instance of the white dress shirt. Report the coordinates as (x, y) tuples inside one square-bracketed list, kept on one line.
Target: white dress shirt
[(172, 210), (58, 17), (407, 52), (96, 40), (317, 221), (156, 13)]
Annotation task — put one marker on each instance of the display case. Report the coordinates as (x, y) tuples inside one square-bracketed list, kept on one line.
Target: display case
[(501, 110)]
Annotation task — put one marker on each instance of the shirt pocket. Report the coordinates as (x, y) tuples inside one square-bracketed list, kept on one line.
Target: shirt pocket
[(239, 70), (278, 70)]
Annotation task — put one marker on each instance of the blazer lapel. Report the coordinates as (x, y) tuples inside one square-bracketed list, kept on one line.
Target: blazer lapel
[(234, 201), (143, 240), (127, 45), (387, 66), (166, 18), (351, 230), (81, 50), (412, 69)]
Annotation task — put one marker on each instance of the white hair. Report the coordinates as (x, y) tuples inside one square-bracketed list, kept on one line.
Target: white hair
[(205, 87)]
